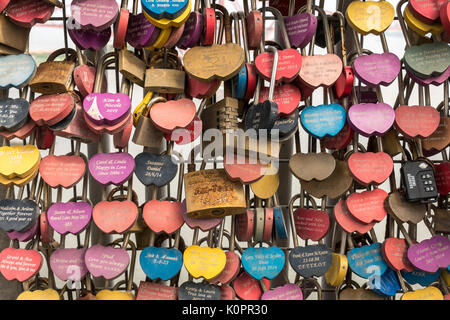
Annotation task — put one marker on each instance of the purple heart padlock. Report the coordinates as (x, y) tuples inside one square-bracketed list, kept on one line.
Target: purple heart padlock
[(106, 262), (107, 108), (431, 254), (68, 264), (89, 38), (371, 119), (25, 235), (192, 31), (94, 14), (432, 80), (289, 291), (113, 168), (377, 69), (140, 32), (69, 217), (300, 29)]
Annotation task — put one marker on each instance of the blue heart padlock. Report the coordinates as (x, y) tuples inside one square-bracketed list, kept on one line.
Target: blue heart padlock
[(239, 84), (263, 262), (161, 263), (16, 70), (420, 277), (367, 260), (163, 9), (387, 285), (323, 120)]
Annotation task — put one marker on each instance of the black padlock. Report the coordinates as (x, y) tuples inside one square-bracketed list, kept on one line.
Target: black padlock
[(262, 115), (418, 181)]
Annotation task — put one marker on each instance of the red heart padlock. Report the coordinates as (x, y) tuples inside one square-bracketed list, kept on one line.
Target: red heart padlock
[(341, 140), (445, 17), (51, 109), (370, 168), (311, 224), (367, 206), (289, 65), (19, 264), (163, 216), (416, 121), (168, 116), (344, 84), (395, 253), (347, 222), (115, 216), (443, 178), (63, 171)]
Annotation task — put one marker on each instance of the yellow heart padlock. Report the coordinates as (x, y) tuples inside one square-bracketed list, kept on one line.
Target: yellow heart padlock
[(141, 108), (335, 275), (267, 186), (48, 294), (204, 261), (370, 16), (17, 181), (114, 295), (18, 161), (419, 27), (164, 35), (167, 23), (429, 293)]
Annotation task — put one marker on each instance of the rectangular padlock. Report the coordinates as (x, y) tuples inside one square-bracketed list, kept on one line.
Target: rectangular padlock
[(131, 67), (211, 194), (12, 37)]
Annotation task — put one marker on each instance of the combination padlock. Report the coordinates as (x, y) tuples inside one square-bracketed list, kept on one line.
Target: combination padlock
[(419, 182)]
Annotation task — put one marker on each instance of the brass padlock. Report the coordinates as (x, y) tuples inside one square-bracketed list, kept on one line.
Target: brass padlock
[(211, 194), (13, 38), (146, 134), (165, 80), (132, 67), (53, 77)]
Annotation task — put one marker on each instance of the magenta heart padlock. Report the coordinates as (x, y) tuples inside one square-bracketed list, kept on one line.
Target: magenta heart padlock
[(68, 264), (377, 69), (113, 168), (192, 31), (106, 262), (69, 217), (94, 14), (107, 108), (140, 32), (90, 38), (300, 29), (371, 118)]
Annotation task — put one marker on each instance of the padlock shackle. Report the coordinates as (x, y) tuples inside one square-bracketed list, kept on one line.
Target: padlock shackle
[(341, 19), (242, 18), (103, 63), (218, 38), (277, 14), (300, 196), (402, 23), (273, 76), (226, 20), (316, 284), (235, 20), (131, 244), (197, 6), (72, 54)]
